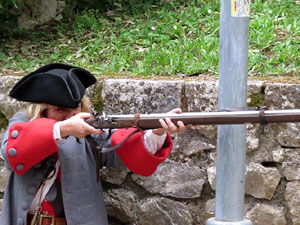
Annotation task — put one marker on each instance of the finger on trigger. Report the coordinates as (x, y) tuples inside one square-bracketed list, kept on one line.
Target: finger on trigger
[(90, 128), (96, 131)]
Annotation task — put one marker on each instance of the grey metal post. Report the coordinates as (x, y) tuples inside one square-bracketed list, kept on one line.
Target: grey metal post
[(231, 144)]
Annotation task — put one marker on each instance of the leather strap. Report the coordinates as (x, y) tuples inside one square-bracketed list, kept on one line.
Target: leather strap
[(112, 148), (98, 150), (57, 204), (262, 118), (57, 221), (43, 190), (136, 120)]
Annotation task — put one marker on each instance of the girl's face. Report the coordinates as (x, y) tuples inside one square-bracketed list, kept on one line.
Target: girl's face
[(61, 113)]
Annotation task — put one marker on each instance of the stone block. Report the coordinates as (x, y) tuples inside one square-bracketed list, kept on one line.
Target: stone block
[(291, 164), (8, 105), (121, 204), (211, 175), (201, 96), (266, 214), (174, 179), (141, 96), (292, 197), (282, 96), (289, 137), (158, 211), (40, 12), (3, 177), (114, 175), (261, 182)]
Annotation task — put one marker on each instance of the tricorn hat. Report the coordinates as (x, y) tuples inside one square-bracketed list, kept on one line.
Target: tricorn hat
[(56, 84)]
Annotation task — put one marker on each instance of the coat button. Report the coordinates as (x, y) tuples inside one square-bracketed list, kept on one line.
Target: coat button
[(39, 175), (49, 161), (20, 221), (24, 205), (12, 152), (20, 166), (31, 190), (14, 134)]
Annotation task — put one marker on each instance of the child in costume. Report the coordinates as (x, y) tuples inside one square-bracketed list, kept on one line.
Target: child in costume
[(52, 166)]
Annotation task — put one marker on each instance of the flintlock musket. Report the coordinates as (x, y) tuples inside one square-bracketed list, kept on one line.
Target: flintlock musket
[(223, 117)]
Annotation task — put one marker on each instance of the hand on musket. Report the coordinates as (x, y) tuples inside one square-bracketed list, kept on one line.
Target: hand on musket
[(77, 127), (169, 127)]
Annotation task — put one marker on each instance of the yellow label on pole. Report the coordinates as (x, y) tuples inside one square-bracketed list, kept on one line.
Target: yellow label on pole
[(233, 8), (240, 8)]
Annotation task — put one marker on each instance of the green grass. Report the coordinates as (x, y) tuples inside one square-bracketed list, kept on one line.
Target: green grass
[(158, 38)]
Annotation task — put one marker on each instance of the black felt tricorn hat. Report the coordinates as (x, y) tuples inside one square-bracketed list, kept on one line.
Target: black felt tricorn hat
[(56, 84)]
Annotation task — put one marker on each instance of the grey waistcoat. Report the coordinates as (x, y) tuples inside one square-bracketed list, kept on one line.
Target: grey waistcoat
[(82, 195)]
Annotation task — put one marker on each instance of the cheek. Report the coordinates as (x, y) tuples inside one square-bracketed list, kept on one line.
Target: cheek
[(60, 117), (77, 111), (56, 116)]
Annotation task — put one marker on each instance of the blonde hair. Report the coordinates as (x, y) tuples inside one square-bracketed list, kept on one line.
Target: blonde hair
[(38, 110)]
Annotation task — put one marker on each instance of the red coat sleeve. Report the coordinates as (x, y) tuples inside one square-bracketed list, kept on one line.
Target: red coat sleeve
[(29, 143), (134, 154)]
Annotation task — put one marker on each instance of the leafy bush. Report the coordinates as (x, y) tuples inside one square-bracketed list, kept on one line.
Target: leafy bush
[(7, 16), (5, 5)]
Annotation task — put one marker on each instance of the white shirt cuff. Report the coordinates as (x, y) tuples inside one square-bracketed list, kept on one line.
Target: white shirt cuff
[(153, 142), (56, 132)]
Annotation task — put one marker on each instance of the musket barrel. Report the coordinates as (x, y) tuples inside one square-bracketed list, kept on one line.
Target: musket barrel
[(151, 121)]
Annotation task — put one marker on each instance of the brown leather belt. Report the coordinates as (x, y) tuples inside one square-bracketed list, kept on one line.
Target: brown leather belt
[(49, 220)]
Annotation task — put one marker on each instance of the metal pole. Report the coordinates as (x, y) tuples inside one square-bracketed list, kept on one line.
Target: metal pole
[(231, 144)]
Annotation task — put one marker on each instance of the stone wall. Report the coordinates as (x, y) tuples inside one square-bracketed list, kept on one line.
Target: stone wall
[(181, 191)]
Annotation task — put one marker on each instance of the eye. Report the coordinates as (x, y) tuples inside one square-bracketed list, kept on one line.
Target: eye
[(59, 109), (44, 113)]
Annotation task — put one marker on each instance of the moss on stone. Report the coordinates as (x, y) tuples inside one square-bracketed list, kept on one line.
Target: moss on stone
[(256, 100), (3, 121), (96, 98)]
